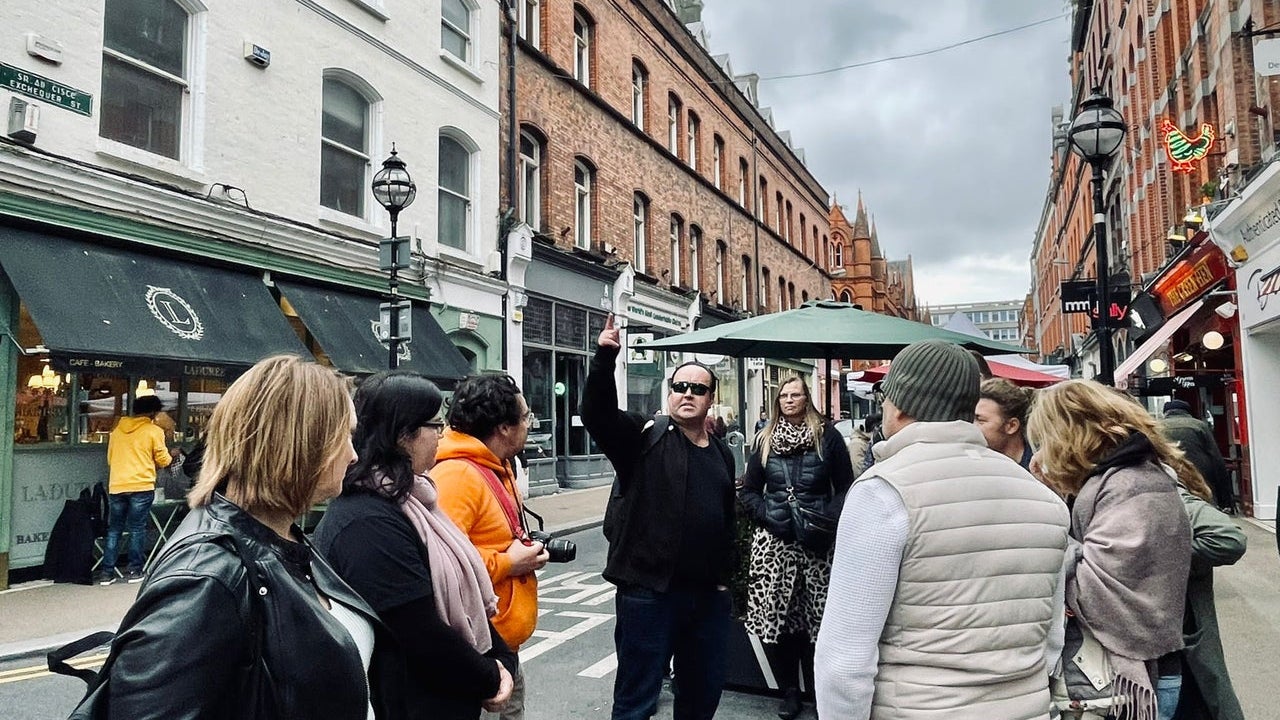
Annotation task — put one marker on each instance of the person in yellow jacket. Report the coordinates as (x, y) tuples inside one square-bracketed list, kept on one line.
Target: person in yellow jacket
[(475, 475), (135, 448)]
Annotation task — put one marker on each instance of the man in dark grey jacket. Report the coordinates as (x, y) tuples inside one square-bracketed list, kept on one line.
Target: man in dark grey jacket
[(1195, 437), (669, 523)]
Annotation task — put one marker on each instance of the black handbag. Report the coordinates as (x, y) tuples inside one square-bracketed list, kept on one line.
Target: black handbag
[(814, 528), (257, 687)]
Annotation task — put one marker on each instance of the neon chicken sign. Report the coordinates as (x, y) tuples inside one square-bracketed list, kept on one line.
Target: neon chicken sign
[(1183, 151)]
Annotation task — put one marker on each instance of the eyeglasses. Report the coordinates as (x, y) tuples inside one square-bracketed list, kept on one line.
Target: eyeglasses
[(529, 417), (437, 425), (698, 389)]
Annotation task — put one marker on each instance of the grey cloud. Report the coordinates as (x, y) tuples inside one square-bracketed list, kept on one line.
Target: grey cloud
[(951, 150)]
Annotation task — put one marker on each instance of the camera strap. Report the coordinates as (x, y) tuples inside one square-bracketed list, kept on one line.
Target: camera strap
[(510, 506)]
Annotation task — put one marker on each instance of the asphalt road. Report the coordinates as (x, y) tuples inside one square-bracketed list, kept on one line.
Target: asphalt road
[(570, 661)]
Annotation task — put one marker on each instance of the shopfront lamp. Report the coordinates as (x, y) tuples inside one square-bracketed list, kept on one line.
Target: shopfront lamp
[(1212, 340), (1158, 365), (1194, 220)]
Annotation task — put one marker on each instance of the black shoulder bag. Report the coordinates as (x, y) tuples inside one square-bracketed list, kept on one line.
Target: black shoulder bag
[(257, 685), (815, 530)]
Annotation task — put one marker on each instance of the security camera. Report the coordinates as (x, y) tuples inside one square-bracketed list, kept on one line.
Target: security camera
[(1226, 309)]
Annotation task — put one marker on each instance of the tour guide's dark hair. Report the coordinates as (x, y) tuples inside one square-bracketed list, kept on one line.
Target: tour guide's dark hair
[(482, 403), (390, 406), (694, 363)]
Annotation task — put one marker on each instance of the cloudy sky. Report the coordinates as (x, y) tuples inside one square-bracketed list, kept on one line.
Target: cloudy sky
[(950, 151)]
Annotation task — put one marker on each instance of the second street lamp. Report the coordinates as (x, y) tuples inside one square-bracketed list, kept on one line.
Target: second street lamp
[(1096, 134), (394, 190)]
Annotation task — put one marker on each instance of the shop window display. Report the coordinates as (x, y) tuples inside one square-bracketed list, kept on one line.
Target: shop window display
[(57, 407)]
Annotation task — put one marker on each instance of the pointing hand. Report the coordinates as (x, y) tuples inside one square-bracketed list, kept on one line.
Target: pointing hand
[(609, 336)]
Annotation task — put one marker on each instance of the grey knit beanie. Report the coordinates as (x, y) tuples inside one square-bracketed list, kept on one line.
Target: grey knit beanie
[(933, 381)]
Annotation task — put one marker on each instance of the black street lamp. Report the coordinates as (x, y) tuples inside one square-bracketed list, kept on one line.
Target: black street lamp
[(394, 190), (1096, 135)]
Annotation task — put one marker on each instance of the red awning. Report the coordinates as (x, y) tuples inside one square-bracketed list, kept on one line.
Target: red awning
[(1016, 375)]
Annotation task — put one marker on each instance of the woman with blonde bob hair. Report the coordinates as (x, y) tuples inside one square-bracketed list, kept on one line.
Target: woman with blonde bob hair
[(1131, 545), (800, 461), (239, 617)]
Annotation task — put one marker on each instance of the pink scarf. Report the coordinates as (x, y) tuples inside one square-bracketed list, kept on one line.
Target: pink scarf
[(464, 594)]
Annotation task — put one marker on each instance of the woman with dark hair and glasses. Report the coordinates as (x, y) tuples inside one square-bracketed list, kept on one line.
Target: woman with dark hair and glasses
[(799, 459), (388, 539)]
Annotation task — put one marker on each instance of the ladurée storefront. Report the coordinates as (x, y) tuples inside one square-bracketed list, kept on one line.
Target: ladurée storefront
[(89, 325), (1248, 231)]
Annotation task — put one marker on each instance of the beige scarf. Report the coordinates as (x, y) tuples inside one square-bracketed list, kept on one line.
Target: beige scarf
[(463, 592)]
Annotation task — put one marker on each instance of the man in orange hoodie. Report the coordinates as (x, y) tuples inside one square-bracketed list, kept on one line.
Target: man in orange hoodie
[(475, 475), (135, 448)]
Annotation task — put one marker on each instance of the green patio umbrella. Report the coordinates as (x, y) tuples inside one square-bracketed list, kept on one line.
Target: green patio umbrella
[(823, 329)]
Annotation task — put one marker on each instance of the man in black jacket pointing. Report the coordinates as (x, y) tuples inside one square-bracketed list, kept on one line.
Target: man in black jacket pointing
[(669, 524)]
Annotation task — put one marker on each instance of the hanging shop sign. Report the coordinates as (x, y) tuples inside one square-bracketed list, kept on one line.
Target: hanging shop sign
[(1185, 151), (1190, 277)]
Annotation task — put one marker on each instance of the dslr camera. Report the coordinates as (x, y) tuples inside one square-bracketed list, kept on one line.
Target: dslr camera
[(559, 549)]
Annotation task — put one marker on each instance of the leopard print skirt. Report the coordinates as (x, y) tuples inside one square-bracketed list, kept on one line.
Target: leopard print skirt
[(788, 588)]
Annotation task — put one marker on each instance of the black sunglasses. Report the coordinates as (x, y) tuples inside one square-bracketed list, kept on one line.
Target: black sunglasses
[(698, 389)]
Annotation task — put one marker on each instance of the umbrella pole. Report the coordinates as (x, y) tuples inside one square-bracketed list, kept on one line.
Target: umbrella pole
[(827, 382)]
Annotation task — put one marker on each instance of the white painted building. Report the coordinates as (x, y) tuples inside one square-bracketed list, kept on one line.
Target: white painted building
[(238, 138)]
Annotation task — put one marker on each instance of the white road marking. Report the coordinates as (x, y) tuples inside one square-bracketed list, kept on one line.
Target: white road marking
[(602, 668), (578, 591), (549, 639)]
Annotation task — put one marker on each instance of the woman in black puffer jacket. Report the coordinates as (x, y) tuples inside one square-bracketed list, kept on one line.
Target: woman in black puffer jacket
[(798, 454)]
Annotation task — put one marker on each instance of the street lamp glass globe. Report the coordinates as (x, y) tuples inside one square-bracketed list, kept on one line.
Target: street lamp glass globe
[(1097, 132), (392, 187), (1213, 340)]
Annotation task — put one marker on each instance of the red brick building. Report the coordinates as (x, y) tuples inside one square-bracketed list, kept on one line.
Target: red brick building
[(878, 285), (1179, 73), (656, 188)]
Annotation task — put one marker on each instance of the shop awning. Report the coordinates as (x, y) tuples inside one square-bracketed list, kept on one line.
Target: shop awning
[(345, 324), (1152, 344), (102, 308)]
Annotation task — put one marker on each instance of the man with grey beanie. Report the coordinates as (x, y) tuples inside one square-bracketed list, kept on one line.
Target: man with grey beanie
[(946, 589)]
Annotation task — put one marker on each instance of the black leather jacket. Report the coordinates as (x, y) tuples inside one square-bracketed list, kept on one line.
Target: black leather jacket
[(820, 483), (185, 648)]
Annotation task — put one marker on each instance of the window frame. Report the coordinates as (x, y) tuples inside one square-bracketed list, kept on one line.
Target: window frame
[(583, 199), (583, 40), (677, 248), (674, 111), (639, 94), (189, 146), (721, 251), (692, 128), (373, 107), (695, 242), (640, 232), (472, 150), (717, 161), (530, 167), (529, 22), (466, 33)]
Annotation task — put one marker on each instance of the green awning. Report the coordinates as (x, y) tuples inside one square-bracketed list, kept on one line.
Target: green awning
[(346, 326), (108, 309)]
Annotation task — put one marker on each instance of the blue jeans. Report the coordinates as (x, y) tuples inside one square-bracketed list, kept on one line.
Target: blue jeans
[(1168, 688), (691, 626), (128, 511)]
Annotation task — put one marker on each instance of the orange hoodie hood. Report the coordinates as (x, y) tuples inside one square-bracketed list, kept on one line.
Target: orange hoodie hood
[(455, 445)]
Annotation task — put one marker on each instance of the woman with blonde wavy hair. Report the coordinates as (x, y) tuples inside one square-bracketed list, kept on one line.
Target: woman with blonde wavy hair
[(1131, 546), (240, 617), (799, 460)]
